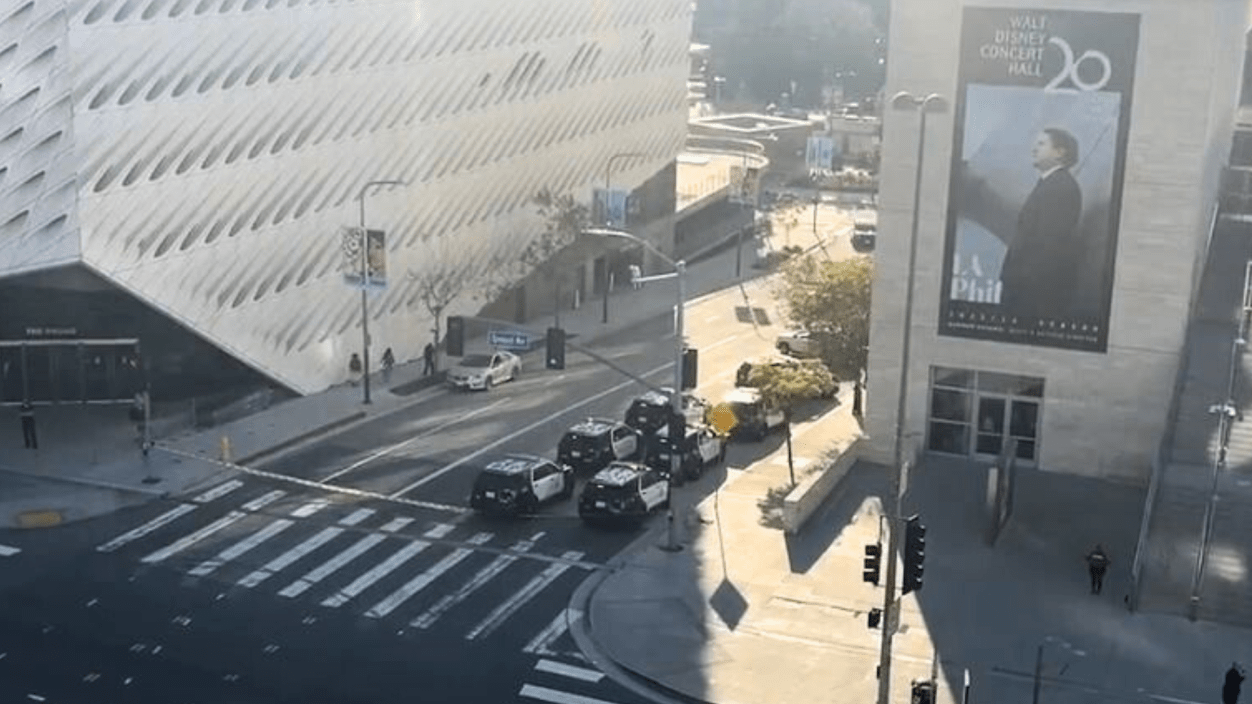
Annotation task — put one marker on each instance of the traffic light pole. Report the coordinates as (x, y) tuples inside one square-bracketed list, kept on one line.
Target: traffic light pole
[(889, 603)]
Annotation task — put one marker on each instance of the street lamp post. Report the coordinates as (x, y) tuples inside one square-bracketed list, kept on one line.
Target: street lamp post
[(365, 318), (676, 402), (922, 105), (608, 222)]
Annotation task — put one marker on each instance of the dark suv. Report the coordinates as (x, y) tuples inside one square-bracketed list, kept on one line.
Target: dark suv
[(650, 411), (518, 484), (623, 491), (594, 443)]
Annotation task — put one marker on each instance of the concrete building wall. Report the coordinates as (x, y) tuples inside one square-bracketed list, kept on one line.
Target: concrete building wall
[(1102, 413), (204, 155)]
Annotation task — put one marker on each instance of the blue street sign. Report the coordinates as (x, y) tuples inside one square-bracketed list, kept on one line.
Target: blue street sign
[(509, 339)]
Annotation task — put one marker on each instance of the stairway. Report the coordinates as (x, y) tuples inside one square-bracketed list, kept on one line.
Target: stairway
[(1226, 589), (1172, 542)]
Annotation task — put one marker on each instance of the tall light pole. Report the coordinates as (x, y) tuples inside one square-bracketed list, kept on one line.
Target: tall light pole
[(365, 316), (608, 221), (891, 619), (676, 398)]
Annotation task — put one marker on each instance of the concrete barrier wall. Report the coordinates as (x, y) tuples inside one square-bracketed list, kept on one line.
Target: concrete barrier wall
[(808, 496)]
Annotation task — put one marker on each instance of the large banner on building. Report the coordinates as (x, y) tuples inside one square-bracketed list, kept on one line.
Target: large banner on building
[(1042, 116)]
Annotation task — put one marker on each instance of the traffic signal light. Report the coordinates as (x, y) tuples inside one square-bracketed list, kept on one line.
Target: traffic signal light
[(456, 336), (875, 617), (691, 362), (677, 431), (873, 563), (555, 358), (923, 693), (914, 554)]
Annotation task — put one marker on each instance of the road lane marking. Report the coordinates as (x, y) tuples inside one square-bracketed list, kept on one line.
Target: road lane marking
[(218, 491), (386, 567), (327, 568), (523, 431), (187, 541), (493, 568), (510, 606), (288, 558), (242, 547), (556, 696), (578, 673), (542, 642), (310, 508), (423, 580), (8, 551), (421, 436), (135, 534)]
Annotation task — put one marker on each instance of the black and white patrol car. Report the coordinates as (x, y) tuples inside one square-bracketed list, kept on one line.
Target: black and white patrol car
[(594, 443), (650, 411), (700, 448), (518, 484), (623, 491)]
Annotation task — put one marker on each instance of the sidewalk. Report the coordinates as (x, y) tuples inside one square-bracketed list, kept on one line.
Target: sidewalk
[(89, 463), (745, 614)]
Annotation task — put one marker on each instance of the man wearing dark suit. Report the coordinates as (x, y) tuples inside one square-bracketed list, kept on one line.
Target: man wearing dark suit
[(1039, 270)]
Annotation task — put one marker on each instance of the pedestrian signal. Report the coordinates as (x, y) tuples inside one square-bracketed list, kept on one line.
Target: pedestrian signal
[(456, 336)]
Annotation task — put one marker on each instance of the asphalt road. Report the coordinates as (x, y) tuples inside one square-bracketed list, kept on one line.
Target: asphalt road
[(266, 590)]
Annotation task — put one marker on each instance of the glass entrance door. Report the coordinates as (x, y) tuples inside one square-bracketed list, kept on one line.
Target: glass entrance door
[(991, 412), (1001, 420)]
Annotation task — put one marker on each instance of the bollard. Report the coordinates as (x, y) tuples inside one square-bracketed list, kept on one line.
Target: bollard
[(225, 448)]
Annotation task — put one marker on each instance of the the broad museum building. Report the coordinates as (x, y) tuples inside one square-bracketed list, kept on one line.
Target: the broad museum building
[(1065, 161), (181, 180)]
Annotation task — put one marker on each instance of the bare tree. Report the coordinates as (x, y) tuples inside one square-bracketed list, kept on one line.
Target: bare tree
[(563, 218), (438, 287)]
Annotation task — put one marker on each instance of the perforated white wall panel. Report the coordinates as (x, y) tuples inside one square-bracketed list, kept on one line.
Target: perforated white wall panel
[(206, 152)]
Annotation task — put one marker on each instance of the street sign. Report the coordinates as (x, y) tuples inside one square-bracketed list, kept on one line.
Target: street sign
[(509, 339)]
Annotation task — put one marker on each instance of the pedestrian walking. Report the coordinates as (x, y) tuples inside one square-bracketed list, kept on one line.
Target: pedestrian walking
[(389, 361), (354, 368), (1097, 564), (428, 359), (29, 439), (1234, 681), (635, 273), (857, 399)]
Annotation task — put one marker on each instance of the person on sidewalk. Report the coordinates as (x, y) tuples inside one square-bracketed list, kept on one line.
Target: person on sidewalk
[(635, 273), (428, 359), (1234, 682), (29, 439), (1097, 564), (354, 369), (389, 361)]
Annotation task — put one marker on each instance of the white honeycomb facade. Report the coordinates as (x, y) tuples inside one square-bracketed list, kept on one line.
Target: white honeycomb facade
[(203, 154)]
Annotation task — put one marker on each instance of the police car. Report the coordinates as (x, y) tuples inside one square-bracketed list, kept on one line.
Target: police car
[(650, 411), (518, 484), (701, 448), (623, 491), (595, 442)]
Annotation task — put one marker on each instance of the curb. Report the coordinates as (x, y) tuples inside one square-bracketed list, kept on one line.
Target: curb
[(96, 483), (302, 437)]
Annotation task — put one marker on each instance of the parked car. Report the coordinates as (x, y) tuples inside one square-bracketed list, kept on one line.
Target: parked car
[(827, 385), (864, 230), (623, 491), (518, 484), (482, 371), (800, 343), (700, 448), (753, 419), (651, 411), (595, 442)]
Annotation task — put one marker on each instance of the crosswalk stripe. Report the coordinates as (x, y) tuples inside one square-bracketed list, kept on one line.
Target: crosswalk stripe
[(288, 558), (188, 540), (251, 542), (8, 551), (423, 580), (384, 568), (264, 500), (495, 567), (543, 640), (155, 524), (310, 508), (556, 696), (335, 563), (357, 516), (578, 673), (218, 491), (509, 606)]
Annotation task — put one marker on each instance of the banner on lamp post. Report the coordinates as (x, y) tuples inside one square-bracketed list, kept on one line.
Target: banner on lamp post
[(819, 153), (368, 270), (745, 181), (611, 206)]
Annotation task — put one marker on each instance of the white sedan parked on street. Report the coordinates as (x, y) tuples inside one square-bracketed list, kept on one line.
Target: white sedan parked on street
[(482, 371)]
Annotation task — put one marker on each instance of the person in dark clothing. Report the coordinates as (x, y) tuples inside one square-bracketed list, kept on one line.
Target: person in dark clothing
[(354, 368), (1234, 682), (389, 361), (1097, 564), (1039, 266), (428, 357), (29, 439)]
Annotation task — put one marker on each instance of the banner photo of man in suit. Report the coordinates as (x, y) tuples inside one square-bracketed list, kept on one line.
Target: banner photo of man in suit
[(1042, 118)]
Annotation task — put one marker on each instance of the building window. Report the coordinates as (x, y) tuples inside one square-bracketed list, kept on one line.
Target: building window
[(983, 414)]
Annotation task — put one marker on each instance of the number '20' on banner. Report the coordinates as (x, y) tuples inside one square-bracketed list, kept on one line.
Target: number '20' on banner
[(364, 262)]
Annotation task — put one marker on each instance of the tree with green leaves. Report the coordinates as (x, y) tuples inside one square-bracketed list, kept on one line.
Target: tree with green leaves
[(563, 219), (785, 386), (831, 300)]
